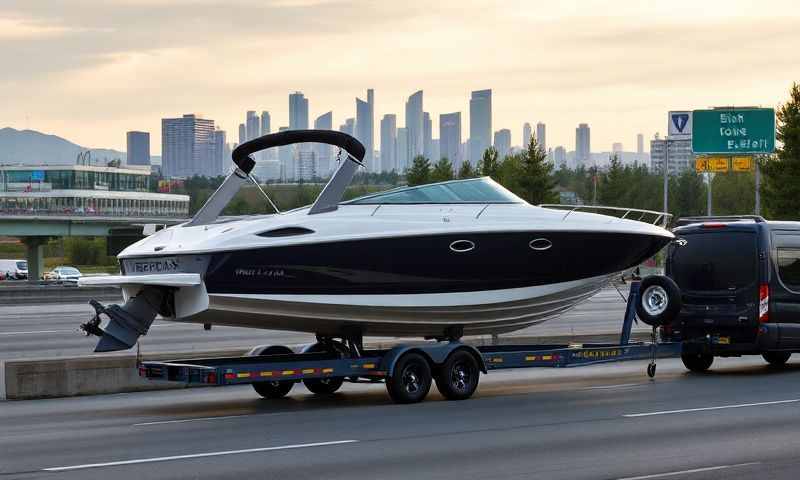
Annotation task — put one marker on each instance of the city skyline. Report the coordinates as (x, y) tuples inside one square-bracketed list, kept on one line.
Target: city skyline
[(94, 73)]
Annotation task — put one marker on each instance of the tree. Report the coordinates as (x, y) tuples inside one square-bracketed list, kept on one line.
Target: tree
[(781, 186), (489, 165), (732, 194), (537, 181), (687, 194), (442, 171), (420, 171), (615, 186), (466, 170)]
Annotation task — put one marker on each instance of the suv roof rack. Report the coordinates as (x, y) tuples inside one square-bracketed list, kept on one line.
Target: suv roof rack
[(718, 218)]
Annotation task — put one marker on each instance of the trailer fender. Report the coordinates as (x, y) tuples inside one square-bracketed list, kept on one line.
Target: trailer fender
[(436, 354)]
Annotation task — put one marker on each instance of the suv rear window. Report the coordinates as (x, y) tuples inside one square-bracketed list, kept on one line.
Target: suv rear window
[(720, 260), (789, 267)]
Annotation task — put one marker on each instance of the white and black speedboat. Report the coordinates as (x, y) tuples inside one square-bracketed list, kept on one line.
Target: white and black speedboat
[(443, 260)]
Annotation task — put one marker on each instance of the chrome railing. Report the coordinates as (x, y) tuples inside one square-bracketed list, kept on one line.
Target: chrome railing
[(662, 219)]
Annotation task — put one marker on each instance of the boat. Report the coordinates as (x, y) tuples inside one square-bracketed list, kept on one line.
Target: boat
[(443, 260)]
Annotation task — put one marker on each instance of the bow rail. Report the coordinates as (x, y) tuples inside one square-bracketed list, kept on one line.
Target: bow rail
[(661, 219)]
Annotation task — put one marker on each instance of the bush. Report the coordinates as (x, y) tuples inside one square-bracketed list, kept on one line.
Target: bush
[(86, 251)]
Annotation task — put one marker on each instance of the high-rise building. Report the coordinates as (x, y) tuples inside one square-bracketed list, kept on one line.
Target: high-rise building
[(298, 111), (138, 148), (365, 128), (639, 143), (242, 133), (502, 142), (480, 124), (402, 156), (305, 165), (286, 159), (266, 123), (187, 145), (559, 157), (253, 125), (348, 127), (526, 135), (388, 143), (436, 151), (414, 125), (450, 138), (324, 153), (541, 136), (681, 157), (427, 137), (220, 159), (583, 148), (616, 147)]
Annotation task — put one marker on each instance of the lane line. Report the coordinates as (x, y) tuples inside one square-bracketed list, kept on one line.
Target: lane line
[(75, 330), (621, 385), (705, 409), (206, 419), (195, 455), (694, 470)]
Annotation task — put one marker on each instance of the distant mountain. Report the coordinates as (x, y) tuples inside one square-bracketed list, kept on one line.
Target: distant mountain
[(29, 147)]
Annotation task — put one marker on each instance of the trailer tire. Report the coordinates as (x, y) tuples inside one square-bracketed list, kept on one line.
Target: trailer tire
[(659, 301), (458, 376), (411, 379), (328, 385), (277, 388)]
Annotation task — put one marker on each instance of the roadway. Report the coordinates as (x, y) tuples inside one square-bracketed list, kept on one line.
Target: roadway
[(51, 330), (608, 421)]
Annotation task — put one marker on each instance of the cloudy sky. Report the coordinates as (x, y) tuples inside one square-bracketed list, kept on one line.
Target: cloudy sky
[(90, 70)]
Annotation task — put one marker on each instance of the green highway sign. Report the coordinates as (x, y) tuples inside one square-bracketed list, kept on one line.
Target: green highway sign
[(733, 130)]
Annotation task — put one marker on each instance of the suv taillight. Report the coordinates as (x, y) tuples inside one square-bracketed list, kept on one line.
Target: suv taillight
[(763, 303)]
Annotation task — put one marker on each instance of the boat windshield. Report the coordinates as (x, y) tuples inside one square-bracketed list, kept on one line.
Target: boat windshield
[(473, 190)]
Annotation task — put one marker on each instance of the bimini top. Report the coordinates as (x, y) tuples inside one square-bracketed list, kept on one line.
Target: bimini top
[(474, 190)]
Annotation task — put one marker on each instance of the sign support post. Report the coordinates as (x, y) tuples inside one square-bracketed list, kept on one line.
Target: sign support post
[(758, 187), (708, 192), (666, 174)]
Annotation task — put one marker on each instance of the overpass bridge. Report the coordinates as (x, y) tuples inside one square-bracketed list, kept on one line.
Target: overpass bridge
[(35, 229)]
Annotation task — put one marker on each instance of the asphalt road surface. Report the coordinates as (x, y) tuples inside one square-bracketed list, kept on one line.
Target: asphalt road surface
[(739, 421), (42, 331)]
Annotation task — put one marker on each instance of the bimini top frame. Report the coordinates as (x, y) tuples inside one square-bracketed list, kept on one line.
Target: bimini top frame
[(328, 199)]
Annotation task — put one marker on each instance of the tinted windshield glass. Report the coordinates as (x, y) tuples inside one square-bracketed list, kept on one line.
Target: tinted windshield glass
[(69, 271), (478, 190), (789, 267), (714, 260), (22, 265)]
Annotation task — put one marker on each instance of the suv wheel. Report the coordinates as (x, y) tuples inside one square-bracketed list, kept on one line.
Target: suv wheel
[(697, 362), (776, 359)]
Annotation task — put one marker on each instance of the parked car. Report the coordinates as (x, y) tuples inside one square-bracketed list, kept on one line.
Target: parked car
[(14, 269), (739, 281), (63, 274)]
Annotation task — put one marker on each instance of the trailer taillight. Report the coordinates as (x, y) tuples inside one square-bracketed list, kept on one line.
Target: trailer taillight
[(763, 303)]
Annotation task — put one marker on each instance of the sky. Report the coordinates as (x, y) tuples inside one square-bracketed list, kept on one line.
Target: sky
[(90, 70)]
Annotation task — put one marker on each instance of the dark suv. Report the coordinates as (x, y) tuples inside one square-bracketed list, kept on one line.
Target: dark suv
[(739, 279)]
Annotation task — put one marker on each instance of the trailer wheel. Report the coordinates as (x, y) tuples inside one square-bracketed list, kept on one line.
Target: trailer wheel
[(776, 359), (458, 377), (277, 388), (697, 362), (411, 379), (329, 385), (659, 301)]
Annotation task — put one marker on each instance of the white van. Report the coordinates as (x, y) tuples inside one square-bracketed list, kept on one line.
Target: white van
[(14, 269)]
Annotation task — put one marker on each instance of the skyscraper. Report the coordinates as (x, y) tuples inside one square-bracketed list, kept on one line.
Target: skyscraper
[(187, 145), (253, 127), (450, 138), (427, 137), (349, 126), (541, 136), (502, 142), (242, 133), (583, 146), (365, 128), (388, 143), (559, 157), (526, 135), (480, 124), (639, 144), (414, 125), (324, 153), (305, 165), (220, 158), (138, 148), (286, 159), (616, 147), (298, 111), (403, 160)]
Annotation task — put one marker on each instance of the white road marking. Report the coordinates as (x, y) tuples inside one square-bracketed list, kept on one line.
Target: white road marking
[(694, 470), (621, 385), (195, 455), (206, 419), (705, 409), (37, 331)]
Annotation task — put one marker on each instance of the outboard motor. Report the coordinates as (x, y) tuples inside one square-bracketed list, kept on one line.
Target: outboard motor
[(129, 321)]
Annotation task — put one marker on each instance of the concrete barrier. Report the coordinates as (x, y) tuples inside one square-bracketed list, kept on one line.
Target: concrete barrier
[(34, 294), (92, 375)]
